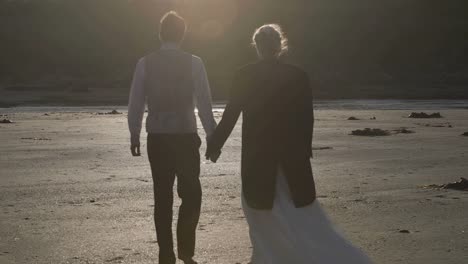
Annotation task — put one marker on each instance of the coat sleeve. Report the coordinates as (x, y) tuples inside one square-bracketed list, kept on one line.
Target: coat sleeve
[(230, 116), (308, 113)]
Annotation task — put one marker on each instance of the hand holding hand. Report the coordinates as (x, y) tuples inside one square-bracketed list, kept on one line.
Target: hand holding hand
[(213, 156)]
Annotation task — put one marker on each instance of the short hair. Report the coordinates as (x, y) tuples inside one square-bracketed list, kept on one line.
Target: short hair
[(172, 27), (270, 41)]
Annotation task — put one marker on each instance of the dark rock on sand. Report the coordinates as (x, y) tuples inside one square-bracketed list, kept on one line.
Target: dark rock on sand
[(6, 121), (373, 118), (424, 115), (465, 134), (113, 112), (370, 132), (461, 185), (352, 118), (404, 231), (404, 131)]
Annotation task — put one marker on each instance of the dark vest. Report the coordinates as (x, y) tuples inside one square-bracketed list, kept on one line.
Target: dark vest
[(170, 92)]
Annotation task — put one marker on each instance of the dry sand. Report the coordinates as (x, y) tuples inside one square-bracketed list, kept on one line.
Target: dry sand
[(77, 196)]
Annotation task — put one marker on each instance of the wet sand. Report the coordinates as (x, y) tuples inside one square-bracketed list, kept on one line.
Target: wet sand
[(70, 192)]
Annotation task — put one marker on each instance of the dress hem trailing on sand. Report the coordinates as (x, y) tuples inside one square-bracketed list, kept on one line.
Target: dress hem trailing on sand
[(287, 234)]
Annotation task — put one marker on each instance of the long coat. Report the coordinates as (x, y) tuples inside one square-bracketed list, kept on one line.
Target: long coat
[(275, 100)]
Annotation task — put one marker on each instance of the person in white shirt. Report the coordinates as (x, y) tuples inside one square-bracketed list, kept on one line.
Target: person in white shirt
[(172, 83)]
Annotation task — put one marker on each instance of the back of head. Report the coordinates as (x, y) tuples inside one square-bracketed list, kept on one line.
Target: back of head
[(172, 28), (270, 42)]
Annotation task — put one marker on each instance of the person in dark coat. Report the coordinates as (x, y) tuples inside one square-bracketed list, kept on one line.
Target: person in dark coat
[(286, 223), (275, 100)]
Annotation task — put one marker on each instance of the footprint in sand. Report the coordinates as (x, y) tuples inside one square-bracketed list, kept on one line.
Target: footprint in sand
[(118, 259), (142, 180)]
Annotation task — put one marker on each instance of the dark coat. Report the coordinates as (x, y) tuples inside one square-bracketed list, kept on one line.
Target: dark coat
[(277, 111)]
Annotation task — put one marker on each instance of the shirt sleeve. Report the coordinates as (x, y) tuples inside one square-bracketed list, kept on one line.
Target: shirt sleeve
[(136, 103), (203, 97)]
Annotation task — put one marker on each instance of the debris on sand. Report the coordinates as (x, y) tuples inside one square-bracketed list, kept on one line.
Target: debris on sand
[(435, 125), (373, 118), (113, 112), (321, 148), (352, 118), (424, 115), (465, 134), (403, 130), (461, 185), (370, 132), (118, 259), (6, 121), (31, 138)]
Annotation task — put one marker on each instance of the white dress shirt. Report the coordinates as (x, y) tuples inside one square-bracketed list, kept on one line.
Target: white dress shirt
[(202, 100)]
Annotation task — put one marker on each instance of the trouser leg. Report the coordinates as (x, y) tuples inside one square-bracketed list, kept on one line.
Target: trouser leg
[(163, 181), (189, 190)]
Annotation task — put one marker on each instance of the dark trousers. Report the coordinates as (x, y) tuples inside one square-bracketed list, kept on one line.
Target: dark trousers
[(172, 155)]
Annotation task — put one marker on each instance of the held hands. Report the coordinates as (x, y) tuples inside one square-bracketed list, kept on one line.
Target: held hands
[(211, 154), (135, 146)]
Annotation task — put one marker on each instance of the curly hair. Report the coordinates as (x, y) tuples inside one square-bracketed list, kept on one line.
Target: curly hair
[(270, 41)]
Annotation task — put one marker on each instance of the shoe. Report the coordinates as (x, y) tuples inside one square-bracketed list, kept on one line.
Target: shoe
[(189, 261)]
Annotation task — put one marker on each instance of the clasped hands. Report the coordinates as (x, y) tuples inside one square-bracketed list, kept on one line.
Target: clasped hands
[(212, 155), (211, 152)]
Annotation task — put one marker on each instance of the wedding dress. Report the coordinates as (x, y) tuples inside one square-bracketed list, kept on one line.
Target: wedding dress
[(290, 235)]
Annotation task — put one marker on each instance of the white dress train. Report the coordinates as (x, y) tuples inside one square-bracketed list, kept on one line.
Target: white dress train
[(290, 235)]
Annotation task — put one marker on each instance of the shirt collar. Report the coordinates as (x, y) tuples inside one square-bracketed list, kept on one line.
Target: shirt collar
[(169, 46)]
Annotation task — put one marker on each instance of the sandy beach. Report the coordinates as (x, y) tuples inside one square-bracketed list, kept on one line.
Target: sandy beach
[(70, 192)]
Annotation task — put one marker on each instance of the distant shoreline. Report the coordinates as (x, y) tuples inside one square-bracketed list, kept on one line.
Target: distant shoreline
[(348, 104), (27, 95)]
